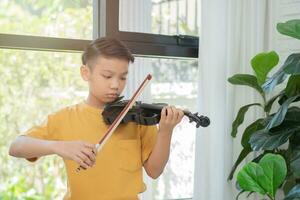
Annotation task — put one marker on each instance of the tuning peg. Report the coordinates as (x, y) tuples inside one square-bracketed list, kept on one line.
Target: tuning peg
[(205, 121)]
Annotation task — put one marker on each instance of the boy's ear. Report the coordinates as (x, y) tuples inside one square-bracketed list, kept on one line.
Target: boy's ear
[(85, 72)]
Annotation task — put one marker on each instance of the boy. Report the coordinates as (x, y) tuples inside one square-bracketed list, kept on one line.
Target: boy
[(72, 133)]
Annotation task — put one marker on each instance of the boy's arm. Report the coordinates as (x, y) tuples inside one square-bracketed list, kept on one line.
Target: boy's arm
[(31, 148), (159, 156), (170, 117), (28, 147)]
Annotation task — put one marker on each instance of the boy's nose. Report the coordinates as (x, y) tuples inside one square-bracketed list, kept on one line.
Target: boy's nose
[(114, 85)]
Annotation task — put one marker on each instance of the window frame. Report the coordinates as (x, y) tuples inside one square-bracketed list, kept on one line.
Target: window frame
[(146, 44), (44, 43), (39, 43), (107, 24)]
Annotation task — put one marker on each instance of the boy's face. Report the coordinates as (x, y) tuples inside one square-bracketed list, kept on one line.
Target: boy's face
[(106, 78)]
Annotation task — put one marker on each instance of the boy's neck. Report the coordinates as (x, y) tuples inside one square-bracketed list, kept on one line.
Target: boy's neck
[(94, 102)]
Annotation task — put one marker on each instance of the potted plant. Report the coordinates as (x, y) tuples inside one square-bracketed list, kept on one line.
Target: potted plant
[(275, 136)]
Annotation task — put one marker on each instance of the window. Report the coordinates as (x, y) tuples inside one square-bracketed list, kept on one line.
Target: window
[(32, 80), (59, 18), (38, 39), (34, 84), (60, 25), (175, 83), (167, 17), (129, 14)]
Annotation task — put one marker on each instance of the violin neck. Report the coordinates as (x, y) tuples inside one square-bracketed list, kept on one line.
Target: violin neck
[(159, 107)]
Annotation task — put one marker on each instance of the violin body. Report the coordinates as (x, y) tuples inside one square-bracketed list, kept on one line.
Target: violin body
[(145, 114)]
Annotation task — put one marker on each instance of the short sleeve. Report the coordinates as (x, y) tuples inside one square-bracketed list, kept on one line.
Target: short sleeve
[(148, 139), (47, 130)]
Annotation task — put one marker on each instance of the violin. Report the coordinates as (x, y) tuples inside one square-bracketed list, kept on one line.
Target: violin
[(144, 113)]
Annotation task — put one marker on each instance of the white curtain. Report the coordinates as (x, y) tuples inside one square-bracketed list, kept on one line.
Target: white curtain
[(135, 16), (232, 32)]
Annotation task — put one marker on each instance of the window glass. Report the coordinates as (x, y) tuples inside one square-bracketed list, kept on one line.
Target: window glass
[(33, 85), (174, 82), (57, 18), (166, 17)]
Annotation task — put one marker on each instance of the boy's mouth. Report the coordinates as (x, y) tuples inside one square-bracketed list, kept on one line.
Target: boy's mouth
[(112, 95)]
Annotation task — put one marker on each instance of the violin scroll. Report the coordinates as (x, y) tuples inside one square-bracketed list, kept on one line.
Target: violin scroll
[(200, 120)]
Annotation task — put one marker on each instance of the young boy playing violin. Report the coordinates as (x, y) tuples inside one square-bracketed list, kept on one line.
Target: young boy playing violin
[(72, 132)]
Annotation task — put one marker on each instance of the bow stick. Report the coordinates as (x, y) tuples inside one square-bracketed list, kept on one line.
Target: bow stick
[(119, 118)]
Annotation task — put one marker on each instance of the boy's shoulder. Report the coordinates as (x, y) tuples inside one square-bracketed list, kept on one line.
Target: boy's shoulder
[(67, 110)]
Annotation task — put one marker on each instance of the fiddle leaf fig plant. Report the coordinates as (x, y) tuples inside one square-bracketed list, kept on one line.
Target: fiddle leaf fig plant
[(294, 194), (263, 177), (275, 136)]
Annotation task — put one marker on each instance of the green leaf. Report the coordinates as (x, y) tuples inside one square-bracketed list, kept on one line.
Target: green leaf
[(294, 194), (248, 178), (290, 28), (292, 117), (246, 79), (293, 86), (276, 79), (240, 118), (295, 141), (252, 128), (284, 97), (292, 64), (295, 163), (264, 140), (271, 139), (275, 169), (270, 102), (242, 156), (289, 183), (263, 63), (279, 116), (264, 177)]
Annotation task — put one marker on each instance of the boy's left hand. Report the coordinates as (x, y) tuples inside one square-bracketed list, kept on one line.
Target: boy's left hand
[(170, 117)]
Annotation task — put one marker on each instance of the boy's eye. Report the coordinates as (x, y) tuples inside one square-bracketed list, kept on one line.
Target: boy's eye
[(105, 76), (123, 78)]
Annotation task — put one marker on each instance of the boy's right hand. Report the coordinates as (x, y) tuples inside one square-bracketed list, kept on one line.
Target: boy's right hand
[(83, 153)]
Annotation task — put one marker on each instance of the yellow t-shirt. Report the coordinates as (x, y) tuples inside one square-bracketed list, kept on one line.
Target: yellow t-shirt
[(118, 170)]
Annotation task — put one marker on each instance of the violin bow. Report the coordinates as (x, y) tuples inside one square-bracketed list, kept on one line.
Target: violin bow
[(119, 118)]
